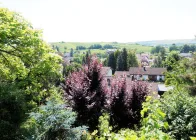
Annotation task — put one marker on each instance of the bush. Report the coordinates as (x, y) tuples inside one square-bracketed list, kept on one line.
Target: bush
[(153, 122), (53, 121), (126, 103), (104, 132), (86, 94), (180, 109), (12, 111)]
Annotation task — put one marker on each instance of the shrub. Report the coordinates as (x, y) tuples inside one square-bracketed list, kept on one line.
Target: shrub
[(53, 121), (12, 110), (126, 103), (104, 132), (153, 121), (180, 109), (86, 94)]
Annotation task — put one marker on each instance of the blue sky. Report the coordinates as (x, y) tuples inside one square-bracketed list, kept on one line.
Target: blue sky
[(109, 20)]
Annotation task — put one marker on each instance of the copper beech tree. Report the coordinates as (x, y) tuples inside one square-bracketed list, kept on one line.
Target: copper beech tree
[(88, 94)]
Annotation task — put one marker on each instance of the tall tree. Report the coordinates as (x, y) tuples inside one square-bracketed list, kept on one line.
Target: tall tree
[(86, 93), (112, 62), (158, 62), (183, 74), (71, 52), (124, 59), (57, 49), (172, 60), (119, 63), (132, 59), (28, 66)]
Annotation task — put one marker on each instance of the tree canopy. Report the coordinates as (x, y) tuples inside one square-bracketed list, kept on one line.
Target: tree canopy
[(29, 69), (24, 56)]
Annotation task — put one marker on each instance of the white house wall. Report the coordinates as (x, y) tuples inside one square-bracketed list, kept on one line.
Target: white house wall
[(162, 77), (109, 73), (145, 77)]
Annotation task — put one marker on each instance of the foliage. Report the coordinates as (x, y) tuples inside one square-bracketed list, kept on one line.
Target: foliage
[(124, 59), (13, 108), (71, 52), (154, 121), (119, 63), (108, 46), (95, 46), (29, 69), (112, 62), (188, 48), (173, 48), (86, 94), (130, 98), (104, 132), (172, 60), (157, 49), (180, 109), (132, 59), (183, 74), (69, 68), (54, 121), (80, 48), (158, 62), (25, 58), (85, 59)]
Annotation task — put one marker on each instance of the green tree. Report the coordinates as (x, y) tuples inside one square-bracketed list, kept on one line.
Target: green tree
[(28, 64), (112, 62), (124, 59), (158, 62), (157, 49), (132, 59), (71, 52), (183, 74), (173, 48), (172, 60), (119, 63), (57, 49), (54, 121)]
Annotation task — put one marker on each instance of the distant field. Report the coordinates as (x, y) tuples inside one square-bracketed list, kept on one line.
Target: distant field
[(128, 46)]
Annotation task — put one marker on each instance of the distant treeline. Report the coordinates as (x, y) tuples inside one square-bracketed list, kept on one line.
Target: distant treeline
[(186, 48), (96, 46), (183, 49)]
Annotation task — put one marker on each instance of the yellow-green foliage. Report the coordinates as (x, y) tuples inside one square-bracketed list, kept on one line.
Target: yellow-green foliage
[(151, 129)]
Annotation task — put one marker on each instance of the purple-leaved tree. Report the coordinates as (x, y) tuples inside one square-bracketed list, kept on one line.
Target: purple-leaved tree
[(86, 92), (126, 100)]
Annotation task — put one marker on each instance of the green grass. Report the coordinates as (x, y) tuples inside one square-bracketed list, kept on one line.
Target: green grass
[(138, 48)]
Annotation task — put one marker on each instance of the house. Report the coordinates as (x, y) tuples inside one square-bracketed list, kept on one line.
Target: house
[(144, 59), (186, 55), (106, 71), (109, 51), (147, 73), (67, 54), (162, 88), (142, 73), (107, 74), (121, 74)]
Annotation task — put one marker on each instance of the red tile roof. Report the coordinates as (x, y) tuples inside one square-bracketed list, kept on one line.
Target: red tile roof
[(147, 71), (121, 73)]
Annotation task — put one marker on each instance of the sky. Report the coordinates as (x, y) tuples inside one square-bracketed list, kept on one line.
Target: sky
[(108, 20)]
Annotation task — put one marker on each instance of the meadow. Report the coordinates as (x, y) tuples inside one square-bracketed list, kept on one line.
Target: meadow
[(129, 46)]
